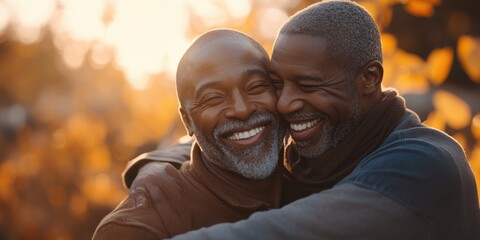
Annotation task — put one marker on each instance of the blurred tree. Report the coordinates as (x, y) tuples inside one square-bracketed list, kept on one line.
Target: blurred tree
[(71, 116)]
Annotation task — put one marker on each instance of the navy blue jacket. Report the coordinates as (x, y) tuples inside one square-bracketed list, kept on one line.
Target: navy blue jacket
[(416, 185)]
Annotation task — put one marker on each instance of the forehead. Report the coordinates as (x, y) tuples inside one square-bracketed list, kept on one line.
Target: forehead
[(223, 50), (300, 50), (225, 60)]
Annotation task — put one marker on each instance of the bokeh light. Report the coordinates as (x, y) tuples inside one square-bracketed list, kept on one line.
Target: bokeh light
[(86, 85)]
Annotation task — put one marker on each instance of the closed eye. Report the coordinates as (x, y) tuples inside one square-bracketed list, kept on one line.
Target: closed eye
[(211, 99), (309, 87), (309, 84), (259, 87)]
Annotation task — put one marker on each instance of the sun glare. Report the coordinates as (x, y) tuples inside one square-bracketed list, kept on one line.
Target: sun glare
[(32, 13), (146, 35), (29, 17), (4, 17), (141, 38)]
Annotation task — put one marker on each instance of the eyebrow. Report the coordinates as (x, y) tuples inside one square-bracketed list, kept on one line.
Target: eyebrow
[(299, 78), (296, 78), (254, 71)]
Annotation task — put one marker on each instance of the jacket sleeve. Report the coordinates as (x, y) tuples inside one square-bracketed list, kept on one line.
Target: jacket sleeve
[(131, 220), (119, 232), (346, 211), (175, 155)]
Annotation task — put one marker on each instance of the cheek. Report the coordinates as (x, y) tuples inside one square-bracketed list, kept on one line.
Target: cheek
[(337, 110), (206, 120)]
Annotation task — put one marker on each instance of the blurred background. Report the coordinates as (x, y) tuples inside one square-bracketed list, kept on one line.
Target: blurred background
[(86, 85)]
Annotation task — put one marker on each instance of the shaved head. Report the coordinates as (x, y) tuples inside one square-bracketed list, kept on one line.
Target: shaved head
[(204, 47)]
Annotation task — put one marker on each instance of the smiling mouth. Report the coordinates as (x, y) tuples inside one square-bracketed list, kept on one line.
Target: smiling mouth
[(304, 125), (246, 134)]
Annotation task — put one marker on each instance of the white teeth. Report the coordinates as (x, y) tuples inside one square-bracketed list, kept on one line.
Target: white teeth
[(302, 126), (246, 134)]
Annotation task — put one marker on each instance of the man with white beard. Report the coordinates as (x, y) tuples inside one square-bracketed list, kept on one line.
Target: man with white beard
[(228, 103)]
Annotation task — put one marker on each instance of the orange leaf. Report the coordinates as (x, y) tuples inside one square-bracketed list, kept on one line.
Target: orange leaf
[(453, 109), (419, 8), (435, 120), (389, 44), (476, 126), (468, 50), (439, 63)]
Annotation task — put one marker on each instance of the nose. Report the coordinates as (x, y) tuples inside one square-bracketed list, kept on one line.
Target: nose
[(241, 108), (288, 101)]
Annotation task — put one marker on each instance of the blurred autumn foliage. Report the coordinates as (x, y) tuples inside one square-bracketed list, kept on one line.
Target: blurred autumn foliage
[(75, 108)]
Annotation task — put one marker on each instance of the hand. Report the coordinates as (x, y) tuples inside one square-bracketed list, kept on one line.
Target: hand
[(147, 174), (176, 154)]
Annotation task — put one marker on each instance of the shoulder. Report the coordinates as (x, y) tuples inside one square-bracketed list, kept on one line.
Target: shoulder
[(425, 149), (417, 149), (155, 207), (420, 167), (130, 219)]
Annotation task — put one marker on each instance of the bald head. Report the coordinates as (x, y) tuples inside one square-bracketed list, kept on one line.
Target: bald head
[(353, 37), (227, 101), (203, 52)]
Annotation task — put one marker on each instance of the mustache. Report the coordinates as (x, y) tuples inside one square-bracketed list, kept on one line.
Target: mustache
[(235, 125), (303, 115)]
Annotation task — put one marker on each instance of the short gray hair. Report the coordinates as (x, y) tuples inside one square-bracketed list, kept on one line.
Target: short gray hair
[(352, 36)]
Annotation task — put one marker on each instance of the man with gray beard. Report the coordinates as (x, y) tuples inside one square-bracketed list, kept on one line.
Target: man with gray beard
[(360, 164), (228, 103)]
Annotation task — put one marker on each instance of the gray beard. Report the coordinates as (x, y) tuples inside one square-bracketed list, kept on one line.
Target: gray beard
[(331, 136), (249, 162)]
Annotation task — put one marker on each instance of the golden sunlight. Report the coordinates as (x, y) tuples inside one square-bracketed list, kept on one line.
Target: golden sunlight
[(4, 17), (87, 85), (29, 17), (141, 38)]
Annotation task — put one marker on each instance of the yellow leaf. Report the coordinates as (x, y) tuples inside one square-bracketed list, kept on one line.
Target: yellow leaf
[(435, 120), (453, 109), (419, 8), (390, 2), (389, 44), (439, 63), (476, 126), (411, 60), (468, 50), (411, 82), (407, 73)]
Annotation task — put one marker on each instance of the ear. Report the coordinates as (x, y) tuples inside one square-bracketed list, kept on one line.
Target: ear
[(186, 121), (371, 77)]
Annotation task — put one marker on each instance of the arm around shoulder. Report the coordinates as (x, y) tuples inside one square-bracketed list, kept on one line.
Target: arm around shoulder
[(118, 232), (147, 163), (346, 211)]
